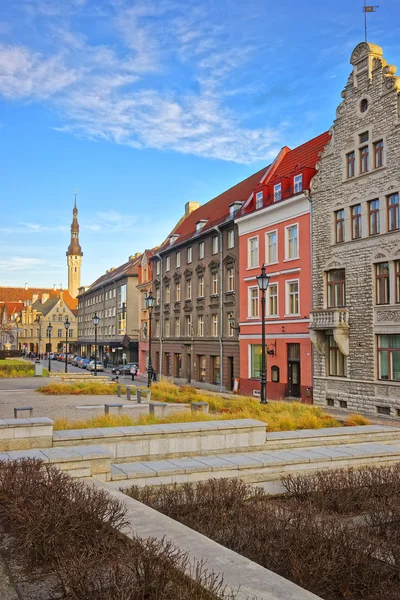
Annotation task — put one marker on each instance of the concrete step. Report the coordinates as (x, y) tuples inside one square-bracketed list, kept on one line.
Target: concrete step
[(254, 466), (331, 435)]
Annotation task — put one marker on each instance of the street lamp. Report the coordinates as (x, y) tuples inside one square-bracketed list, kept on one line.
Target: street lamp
[(66, 325), (150, 301), (263, 282), (232, 323), (95, 323), (49, 330), (37, 320)]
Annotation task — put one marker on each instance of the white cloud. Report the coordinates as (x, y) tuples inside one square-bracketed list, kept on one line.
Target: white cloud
[(110, 221), (32, 228), (22, 263)]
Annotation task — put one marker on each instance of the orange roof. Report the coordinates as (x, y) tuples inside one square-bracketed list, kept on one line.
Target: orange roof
[(20, 294), (216, 210)]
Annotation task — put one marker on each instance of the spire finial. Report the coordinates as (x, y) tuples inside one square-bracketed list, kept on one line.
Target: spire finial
[(75, 192)]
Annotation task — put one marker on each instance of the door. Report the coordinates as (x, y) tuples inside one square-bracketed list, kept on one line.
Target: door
[(230, 372), (189, 367), (294, 370)]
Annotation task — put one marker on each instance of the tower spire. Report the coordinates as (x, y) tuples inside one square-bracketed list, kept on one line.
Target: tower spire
[(74, 254)]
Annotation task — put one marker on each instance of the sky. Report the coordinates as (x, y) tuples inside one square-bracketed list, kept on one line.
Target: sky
[(144, 106)]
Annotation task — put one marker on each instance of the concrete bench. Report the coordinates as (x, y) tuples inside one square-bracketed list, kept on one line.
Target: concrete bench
[(200, 407), (108, 406), (161, 405), (143, 394), (24, 433), (23, 408), (129, 390)]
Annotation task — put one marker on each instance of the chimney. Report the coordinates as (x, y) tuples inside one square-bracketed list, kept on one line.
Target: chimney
[(190, 207), (131, 257), (138, 254), (34, 298), (54, 286), (45, 297), (26, 286)]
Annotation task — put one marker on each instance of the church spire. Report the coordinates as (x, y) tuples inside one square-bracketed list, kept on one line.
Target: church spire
[(74, 255)]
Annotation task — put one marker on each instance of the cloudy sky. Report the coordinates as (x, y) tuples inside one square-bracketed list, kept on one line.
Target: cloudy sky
[(144, 106)]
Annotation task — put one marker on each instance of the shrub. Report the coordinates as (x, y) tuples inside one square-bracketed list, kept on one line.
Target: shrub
[(353, 420)]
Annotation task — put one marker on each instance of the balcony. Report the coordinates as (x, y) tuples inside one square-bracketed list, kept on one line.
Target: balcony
[(330, 319)]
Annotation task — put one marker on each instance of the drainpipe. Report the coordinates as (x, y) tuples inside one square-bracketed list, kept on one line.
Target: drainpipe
[(309, 198), (161, 313), (221, 308)]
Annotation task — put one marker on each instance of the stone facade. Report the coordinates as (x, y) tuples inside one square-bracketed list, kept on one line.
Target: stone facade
[(356, 245)]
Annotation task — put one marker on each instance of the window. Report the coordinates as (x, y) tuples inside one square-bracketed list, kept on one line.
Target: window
[(200, 325), (363, 108), (378, 154), (397, 275), (188, 325), (292, 250), (298, 183), (214, 325), (188, 289), (253, 252), (231, 239), (168, 263), (363, 137), (230, 283), (214, 283), (59, 333), (71, 332), (157, 328), (337, 366), (166, 328), (229, 328), (277, 192), (122, 295), (201, 286), (336, 288), (216, 369), (177, 326), (158, 267), (167, 294), (215, 244), (259, 200), (60, 318), (373, 217), (364, 156), (202, 367), (122, 322), (158, 296), (178, 259), (167, 363), (201, 250), (382, 283), (275, 373), (178, 292), (178, 365), (189, 255), (393, 212), (339, 226), (255, 361), (350, 164), (389, 357), (253, 302), (272, 247), (356, 222), (272, 300), (292, 299)]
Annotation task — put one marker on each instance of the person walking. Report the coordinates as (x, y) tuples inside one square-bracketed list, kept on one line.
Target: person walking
[(133, 371)]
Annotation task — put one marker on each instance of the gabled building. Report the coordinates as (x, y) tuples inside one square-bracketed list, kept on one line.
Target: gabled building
[(355, 323), (9, 324), (195, 283), (144, 286), (274, 230)]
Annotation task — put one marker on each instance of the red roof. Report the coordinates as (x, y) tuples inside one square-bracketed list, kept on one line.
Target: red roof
[(301, 160), (216, 210), (20, 294)]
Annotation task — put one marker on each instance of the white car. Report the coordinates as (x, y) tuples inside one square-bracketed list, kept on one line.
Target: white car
[(91, 367)]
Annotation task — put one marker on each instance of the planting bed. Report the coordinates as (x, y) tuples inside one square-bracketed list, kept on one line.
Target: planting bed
[(334, 533)]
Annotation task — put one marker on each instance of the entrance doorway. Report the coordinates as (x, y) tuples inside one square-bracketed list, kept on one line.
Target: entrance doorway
[(231, 372), (294, 370), (189, 367)]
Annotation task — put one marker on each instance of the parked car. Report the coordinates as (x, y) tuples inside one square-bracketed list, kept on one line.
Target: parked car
[(61, 357), (76, 360), (124, 369), (84, 363), (98, 366), (55, 356), (51, 355), (70, 358)]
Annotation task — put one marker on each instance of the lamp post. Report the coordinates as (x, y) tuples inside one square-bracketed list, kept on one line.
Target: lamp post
[(95, 323), (37, 320), (263, 282), (150, 300), (66, 325), (49, 329), (232, 323)]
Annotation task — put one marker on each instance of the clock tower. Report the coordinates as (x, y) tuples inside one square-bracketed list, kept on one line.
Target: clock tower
[(74, 256)]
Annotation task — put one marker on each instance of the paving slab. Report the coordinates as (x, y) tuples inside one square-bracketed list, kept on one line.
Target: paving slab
[(190, 465), (216, 463), (242, 461)]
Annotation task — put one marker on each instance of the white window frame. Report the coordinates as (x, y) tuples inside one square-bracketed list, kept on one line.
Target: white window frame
[(178, 291), (215, 244), (277, 192), (167, 328), (189, 255), (231, 239), (201, 286), (214, 283), (268, 260), (158, 267), (230, 279), (188, 325), (200, 325), (298, 183), (249, 253), (249, 302), (188, 289), (287, 302), (178, 259), (269, 314), (201, 250), (214, 325), (287, 248), (177, 326), (167, 294), (259, 200), (168, 263)]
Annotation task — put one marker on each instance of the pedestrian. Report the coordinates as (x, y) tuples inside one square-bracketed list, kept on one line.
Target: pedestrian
[(154, 374), (133, 371)]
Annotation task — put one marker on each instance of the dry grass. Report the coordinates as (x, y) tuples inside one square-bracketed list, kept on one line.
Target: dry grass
[(80, 389), (353, 420)]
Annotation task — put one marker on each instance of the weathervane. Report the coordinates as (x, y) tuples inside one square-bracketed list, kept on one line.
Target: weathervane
[(367, 9)]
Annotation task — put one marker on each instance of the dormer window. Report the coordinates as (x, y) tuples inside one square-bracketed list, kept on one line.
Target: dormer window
[(200, 224), (298, 183), (277, 192), (259, 200), (172, 239), (234, 207)]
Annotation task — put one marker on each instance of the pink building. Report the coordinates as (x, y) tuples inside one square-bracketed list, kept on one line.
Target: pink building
[(144, 286)]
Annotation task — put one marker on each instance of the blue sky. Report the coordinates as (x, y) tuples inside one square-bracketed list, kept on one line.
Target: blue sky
[(144, 106)]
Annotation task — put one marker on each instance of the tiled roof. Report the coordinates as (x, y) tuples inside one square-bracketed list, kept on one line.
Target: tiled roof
[(45, 307), (20, 294), (216, 210), (129, 268)]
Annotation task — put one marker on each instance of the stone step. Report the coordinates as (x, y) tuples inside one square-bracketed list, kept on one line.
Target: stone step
[(331, 435), (254, 466)]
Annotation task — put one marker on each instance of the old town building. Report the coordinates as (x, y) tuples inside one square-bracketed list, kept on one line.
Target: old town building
[(274, 229), (74, 256), (114, 298), (9, 325), (355, 322), (195, 282), (144, 286)]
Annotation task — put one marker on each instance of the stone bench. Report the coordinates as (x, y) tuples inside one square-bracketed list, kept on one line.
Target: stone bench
[(22, 408), (108, 406), (200, 407), (143, 394), (150, 442), (21, 434), (161, 405)]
